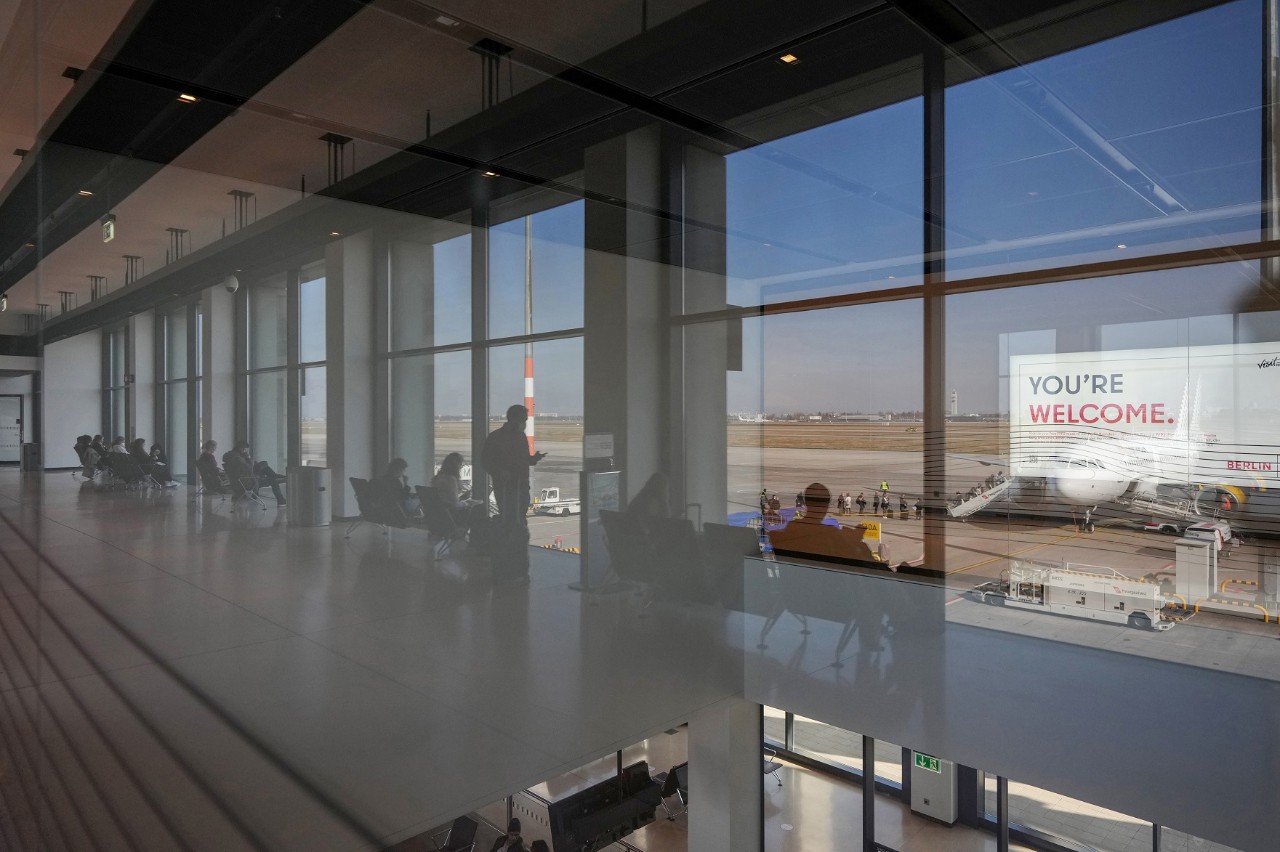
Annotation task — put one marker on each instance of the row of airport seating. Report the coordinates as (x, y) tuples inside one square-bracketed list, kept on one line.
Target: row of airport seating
[(442, 530), (668, 558)]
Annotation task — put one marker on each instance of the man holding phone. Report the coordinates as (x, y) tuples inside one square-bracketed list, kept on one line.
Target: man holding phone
[(507, 460)]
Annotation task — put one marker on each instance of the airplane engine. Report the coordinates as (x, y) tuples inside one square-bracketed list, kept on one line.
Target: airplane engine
[(1219, 499)]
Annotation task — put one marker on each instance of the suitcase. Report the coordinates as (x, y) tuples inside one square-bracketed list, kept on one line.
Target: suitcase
[(508, 550)]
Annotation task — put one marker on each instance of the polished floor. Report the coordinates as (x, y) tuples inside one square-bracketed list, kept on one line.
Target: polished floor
[(182, 657), (185, 673)]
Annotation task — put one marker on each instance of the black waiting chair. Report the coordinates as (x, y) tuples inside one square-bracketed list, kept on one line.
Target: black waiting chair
[(723, 549), (679, 562), (125, 471), (771, 767), (459, 837), (210, 482), (631, 556), (675, 784), (372, 512), (442, 529)]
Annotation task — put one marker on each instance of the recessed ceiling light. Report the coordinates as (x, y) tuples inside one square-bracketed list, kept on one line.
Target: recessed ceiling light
[(446, 21), (490, 174), (188, 99), (86, 193), (334, 234), (1122, 245), (788, 59)]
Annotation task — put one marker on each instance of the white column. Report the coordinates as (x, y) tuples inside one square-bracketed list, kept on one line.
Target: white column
[(349, 270), (625, 339), (726, 778)]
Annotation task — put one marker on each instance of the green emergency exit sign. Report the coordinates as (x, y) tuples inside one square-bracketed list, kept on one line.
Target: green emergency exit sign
[(925, 761)]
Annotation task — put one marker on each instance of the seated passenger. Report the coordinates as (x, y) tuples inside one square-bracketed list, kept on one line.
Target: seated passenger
[(117, 446), (808, 536), (211, 476), (448, 484), (246, 474), (89, 457), (161, 470), (654, 499), (392, 490)]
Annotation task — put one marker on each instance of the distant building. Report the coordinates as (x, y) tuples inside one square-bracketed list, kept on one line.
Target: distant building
[(955, 403)]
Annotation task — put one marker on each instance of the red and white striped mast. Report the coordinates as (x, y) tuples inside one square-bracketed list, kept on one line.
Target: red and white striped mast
[(529, 429)]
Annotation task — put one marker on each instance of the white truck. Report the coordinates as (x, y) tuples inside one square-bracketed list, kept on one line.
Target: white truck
[(549, 502), (1099, 593)]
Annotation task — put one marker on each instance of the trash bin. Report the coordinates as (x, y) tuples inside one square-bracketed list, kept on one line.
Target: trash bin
[(310, 499), (31, 457)]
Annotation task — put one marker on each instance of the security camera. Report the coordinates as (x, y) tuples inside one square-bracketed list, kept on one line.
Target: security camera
[(232, 283)]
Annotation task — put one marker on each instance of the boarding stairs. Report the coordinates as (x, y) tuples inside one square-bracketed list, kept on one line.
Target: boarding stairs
[(981, 500), (1178, 508)]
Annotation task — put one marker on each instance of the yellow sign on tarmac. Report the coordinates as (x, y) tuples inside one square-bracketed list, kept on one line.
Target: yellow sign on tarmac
[(871, 530)]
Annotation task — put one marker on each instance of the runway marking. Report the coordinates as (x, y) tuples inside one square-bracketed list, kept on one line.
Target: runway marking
[(1027, 549)]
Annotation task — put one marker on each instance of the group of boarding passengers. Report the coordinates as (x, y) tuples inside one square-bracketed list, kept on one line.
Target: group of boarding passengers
[(97, 458)]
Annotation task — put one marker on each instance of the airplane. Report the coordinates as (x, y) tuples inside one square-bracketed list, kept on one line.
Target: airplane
[(1082, 470)]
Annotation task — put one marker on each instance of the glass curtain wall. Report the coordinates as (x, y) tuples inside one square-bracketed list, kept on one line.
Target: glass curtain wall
[(535, 261), (1065, 367), (429, 368)]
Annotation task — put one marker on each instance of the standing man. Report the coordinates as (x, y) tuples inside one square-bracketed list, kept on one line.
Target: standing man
[(507, 459)]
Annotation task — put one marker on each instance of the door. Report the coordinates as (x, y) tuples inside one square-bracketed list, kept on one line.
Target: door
[(10, 428)]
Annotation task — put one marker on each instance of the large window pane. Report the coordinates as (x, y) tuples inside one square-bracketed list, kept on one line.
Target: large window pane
[(268, 418), (556, 424), (311, 313), (116, 428), (430, 294), (552, 260), (116, 343), (834, 209), (1146, 142), (430, 410), (828, 743), (175, 344), (311, 408), (175, 401), (268, 323), (835, 397)]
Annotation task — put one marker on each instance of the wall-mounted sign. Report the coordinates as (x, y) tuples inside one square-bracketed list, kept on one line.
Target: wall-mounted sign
[(108, 227)]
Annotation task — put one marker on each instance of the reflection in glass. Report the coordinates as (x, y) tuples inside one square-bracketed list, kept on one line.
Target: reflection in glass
[(552, 253), (1147, 142), (430, 411)]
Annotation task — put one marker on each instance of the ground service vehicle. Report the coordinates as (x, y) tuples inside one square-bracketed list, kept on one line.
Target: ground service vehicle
[(1099, 593), (1218, 532), (549, 502)]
